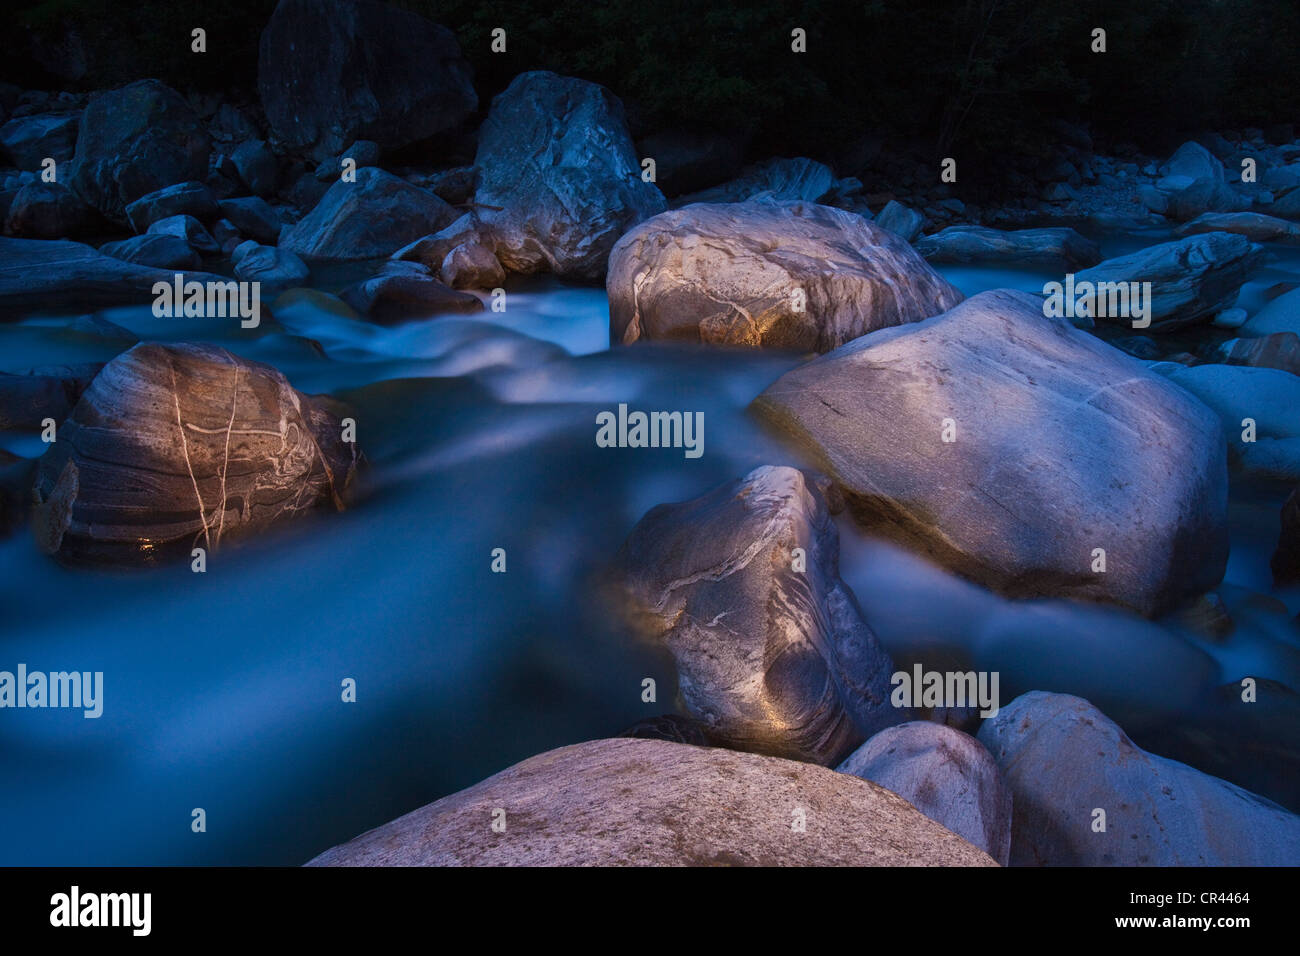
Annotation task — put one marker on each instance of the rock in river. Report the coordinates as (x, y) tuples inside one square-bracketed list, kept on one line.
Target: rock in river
[(633, 802), (1010, 446), (1065, 760), (183, 446), (1046, 247), (791, 275), (771, 649)]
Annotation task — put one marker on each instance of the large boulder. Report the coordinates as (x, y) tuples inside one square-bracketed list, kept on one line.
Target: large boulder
[(791, 275), (1191, 279), (555, 156), (1045, 247), (367, 219), (1009, 446), (945, 774), (181, 446), (771, 649), (635, 802), (44, 274), (1064, 761), (332, 71), (135, 140)]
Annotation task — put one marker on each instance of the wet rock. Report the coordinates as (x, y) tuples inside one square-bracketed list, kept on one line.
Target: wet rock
[(190, 230), (626, 802), (1064, 760), (254, 217), (555, 158), (30, 140), (154, 250), (180, 199), (403, 293), (48, 211), (1254, 226), (472, 266), (257, 167), (26, 401), (945, 774), (782, 179), (1191, 279), (367, 219), (1047, 247), (771, 658), (176, 447), (330, 72), (1280, 315), (1053, 436), (1279, 350), (901, 221), (276, 269), (763, 273), (133, 141)]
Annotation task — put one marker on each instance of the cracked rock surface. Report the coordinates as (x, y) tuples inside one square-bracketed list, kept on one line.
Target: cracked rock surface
[(791, 275), (182, 446), (1061, 445), (625, 801), (772, 659)]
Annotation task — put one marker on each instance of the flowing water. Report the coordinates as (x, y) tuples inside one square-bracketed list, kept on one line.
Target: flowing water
[(222, 689)]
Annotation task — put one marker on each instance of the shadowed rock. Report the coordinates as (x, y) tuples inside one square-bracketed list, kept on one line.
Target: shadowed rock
[(30, 139), (154, 250), (783, 179), (1254, 226), (179, 199), (788, 275), (628, 802), (945, 774), (1286, 559), (1060, 445), (771, 658), (48, 211), (555, 156), (1064, 760), (332, 71), (176, 447), (1047, 247)]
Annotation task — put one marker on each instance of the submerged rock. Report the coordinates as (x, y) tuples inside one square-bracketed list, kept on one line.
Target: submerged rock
[(1191, 279), (1065, 760), (624, 802), (133, 141), (771, 650), (176, 447), (1053, 439), (556, 158), (1047, 247), (945, 774), (332, 71), (765, 273), (367, 219)]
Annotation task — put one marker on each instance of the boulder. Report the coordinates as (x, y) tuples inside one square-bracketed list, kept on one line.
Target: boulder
[(901, 221), (276, 269), (182, 446), (180, 199), (945, 774), (1064, 760), (154, 250), (189, 229), (1280, 315), (472, 266), (332, 71), (634, 802), (48, 211), (42, 274), (1187, 200), (1254, 226), (1286, 206), (30, 140), (405, 293), (1279, 350), (1008, 446), (1191, 279), (1036, 247), (784, 179), (27, 400), (771, 650), (788, 275), (366, 219), (133, 141), (257, 167), (555, 157), (253, 217), (1195, 162)]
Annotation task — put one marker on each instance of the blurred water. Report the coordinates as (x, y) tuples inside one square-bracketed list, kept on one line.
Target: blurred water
[(222, 690)]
